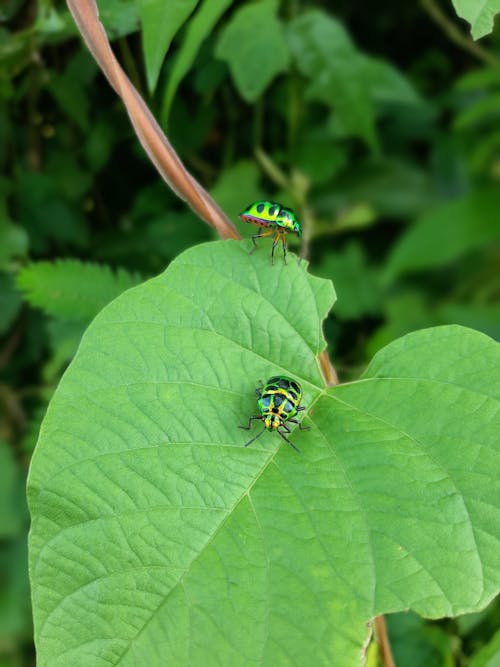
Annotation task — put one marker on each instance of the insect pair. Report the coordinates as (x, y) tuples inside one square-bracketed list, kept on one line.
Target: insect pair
[(278, 402), (277, 220)]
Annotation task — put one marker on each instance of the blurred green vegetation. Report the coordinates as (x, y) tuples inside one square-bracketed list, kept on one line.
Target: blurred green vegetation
[(378, 130)]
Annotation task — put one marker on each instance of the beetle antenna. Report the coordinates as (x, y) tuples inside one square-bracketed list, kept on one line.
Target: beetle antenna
[(257, 436)]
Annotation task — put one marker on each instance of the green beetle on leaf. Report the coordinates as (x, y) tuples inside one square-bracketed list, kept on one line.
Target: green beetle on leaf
[(278, 402), (278, 220)]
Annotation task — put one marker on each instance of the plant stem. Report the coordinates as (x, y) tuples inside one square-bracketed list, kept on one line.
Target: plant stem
[(457, 36), (149, 133), (329, 372), (383, 641)]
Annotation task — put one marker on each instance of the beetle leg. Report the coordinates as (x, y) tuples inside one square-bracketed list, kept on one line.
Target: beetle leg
[(255, 438), (301, 428), (259, 236), (283, 239), (287, 440), (300, 408), (275, 243), (247, 428)]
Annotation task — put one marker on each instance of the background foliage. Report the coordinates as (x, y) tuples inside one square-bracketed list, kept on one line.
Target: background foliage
[(387, 147)]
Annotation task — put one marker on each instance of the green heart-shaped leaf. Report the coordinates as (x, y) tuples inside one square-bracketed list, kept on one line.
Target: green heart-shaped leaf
[(158, 538)]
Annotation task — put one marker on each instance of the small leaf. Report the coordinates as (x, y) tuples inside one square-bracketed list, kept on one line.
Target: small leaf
[(337, 70), (119, 17), (71, 289), (199, 27), (480, 15), (447, 232), (343, 77), (387, 84), (254, 47), (160, 21)]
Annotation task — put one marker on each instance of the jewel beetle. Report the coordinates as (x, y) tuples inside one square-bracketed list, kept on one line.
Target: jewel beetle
[(278, 402), (277, 220)]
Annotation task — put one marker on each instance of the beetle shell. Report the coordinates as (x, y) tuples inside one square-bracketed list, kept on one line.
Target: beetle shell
[(272, 214), (288, 220), (279, 401), (263, 213)]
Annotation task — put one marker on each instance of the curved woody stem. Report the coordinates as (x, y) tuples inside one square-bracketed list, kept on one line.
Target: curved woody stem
[(153, 140), (327, 369), (383, 641)]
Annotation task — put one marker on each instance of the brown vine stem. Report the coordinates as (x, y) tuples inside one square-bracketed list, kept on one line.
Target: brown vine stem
[(329, 372), (383, 641), (152, 138), (456, 35)]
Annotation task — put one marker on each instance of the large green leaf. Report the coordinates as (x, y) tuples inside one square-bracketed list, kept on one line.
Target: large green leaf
[(480, 14), (158, 538), (160, 21), (254, 47)]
